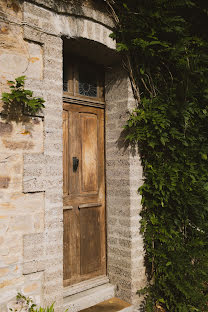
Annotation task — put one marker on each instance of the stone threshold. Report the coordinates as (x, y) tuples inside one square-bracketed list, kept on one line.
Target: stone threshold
[(89, 297)]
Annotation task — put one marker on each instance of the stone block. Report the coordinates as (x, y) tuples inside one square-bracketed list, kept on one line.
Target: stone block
[(33, 247), (53, 41), (22, 224), (13, 63), (32, 20), (33, 35), (35, 61), (33, 239), (33, 266), (34, 168), (35, 10), (53, 51)]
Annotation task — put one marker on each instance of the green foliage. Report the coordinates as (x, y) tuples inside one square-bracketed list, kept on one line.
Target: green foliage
[(28, 304), (20, 101), (167, 46)]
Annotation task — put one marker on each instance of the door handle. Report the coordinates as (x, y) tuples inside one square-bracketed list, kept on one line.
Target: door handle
[(75, 163)]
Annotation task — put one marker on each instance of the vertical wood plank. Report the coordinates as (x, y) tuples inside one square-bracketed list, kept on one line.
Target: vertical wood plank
[(65, 153), (71, 247), (74, 151)]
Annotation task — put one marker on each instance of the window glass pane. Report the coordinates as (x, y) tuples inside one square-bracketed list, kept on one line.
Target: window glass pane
[(65, 80), (65, 86), (87, 82)]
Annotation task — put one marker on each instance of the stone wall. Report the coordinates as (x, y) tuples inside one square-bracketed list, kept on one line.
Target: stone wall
[(123, 177), (31, 165), (31, 220)]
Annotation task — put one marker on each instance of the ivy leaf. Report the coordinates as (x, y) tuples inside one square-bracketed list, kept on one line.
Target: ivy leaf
[(206, 186), (121, 47), (125, 6), (28, 92), (204, 156), (152, 144), (162, 139), (20, 80)]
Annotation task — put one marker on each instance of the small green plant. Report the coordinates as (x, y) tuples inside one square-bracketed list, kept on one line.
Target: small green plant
[(19, 101), (26, 303), (23, 303), (47, 309)]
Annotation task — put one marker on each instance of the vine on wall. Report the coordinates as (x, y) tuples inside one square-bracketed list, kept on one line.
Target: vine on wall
[(165, 46), (20, 103)]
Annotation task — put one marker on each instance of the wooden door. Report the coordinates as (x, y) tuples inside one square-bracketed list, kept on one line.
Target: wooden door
[(84, 193)]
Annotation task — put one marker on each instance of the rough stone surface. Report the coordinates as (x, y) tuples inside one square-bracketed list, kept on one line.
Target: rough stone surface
[(29, 183), (95, 29), (95, 10), (123, 177), (31, 214)]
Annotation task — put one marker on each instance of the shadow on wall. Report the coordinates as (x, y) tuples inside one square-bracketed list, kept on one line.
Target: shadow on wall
[(14, 113), (124, 143), (118, 93), (92, 51)]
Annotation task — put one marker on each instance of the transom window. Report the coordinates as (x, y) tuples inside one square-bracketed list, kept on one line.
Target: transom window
[(83, 80)]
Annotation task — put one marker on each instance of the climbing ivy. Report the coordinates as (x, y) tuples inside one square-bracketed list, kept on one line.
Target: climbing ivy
[(165, 44)]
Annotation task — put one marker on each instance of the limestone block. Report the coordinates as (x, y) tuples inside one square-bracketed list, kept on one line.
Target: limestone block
[(26, 59), (33, 286), (13, 63), (33, 266), (34, 168), (19, 137), (20, 218), (33, 247), (33, 35), (35, 64), (11, 39)]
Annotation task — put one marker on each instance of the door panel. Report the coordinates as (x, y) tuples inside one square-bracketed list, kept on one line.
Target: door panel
[(89, 133), (84, 193), (90, 248)]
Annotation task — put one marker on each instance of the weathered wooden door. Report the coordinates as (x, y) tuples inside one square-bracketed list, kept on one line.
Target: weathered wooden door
[(84, 193)]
